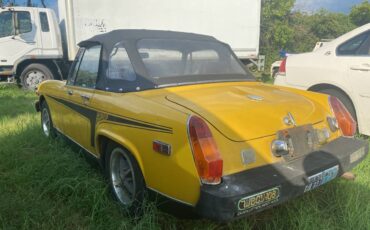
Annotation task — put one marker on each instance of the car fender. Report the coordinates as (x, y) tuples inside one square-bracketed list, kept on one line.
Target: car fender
[(106, 132)]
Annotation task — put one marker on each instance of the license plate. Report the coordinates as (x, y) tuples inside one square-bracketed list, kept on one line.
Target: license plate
[(259, 200), (321, 178)]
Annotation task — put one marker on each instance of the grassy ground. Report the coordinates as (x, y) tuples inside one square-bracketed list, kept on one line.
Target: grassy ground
[(44, 184)]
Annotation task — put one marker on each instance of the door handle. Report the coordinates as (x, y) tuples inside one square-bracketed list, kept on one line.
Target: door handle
[(70, 92), (85, 97), (363, 67)]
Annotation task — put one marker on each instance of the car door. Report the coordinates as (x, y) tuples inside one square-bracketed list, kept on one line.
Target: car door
[(79, 121), (356, 53), (17, 35)]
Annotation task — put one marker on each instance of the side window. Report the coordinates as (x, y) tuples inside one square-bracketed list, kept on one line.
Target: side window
[(24, 22), (120, 67), (89, 67), (357, 46), (6, 24), (44, 22), (74, 68)]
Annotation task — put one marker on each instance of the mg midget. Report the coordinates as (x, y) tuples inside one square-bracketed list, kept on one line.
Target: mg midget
[(178, 114)]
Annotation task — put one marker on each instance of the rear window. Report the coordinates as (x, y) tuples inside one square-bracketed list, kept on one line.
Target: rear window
[(173, 58)]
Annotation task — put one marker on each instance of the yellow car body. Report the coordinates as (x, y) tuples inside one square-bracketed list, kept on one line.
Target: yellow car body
[(241, 115)]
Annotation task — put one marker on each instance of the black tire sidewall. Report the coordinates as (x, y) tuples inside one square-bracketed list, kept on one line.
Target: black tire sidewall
[(34, 67), (52, 131), (136, 208)]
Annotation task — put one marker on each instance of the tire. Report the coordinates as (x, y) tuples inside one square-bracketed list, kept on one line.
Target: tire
[(126, 180), (33, 75), (343, 98), (46, 122)]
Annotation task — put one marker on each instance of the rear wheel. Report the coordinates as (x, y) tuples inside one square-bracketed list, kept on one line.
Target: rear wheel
[(46, 122), (125, 177), (33, 75)]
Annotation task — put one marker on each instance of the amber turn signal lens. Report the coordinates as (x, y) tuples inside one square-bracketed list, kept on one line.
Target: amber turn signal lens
[(345, 120), (206, 155)]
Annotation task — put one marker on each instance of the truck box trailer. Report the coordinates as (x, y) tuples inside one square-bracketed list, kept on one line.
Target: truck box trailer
[(36, 45)]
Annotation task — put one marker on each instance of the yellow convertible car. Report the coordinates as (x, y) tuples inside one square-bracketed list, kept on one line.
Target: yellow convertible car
[(178, 114)]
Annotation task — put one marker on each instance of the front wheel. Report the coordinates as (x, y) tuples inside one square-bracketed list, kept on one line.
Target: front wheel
[(33, 75), (125, 177), (46, 122)]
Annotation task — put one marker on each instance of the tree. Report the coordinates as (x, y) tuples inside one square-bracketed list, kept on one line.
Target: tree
[(360, 14), (276, 31)]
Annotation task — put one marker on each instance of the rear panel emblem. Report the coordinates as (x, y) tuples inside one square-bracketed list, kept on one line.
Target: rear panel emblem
[(255, 97), (289, 120)]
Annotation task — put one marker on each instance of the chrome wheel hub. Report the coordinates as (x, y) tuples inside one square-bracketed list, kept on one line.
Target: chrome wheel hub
[(34, 78), (122, 176), (45, 120)]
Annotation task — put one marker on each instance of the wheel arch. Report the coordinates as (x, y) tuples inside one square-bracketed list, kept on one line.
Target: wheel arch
[(103, 138), (49, 63), (318, 87)]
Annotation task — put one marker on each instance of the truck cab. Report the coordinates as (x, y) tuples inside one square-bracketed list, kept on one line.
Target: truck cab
[(30, 45)]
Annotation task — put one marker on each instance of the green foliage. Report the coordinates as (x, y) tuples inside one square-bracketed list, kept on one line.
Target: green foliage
[(297, 32), (360, 14)]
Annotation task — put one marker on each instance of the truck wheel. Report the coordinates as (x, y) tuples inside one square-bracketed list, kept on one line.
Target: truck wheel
[(33, 75), (46, 122), (125, 179), (343, 98)]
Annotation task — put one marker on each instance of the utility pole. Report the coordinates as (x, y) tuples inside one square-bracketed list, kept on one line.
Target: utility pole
[(29, 2), (43, 3)]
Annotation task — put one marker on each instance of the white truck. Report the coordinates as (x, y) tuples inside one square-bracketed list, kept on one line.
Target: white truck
[(35, 45)]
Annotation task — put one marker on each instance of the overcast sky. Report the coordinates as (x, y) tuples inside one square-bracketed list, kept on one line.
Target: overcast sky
[(343, 6)]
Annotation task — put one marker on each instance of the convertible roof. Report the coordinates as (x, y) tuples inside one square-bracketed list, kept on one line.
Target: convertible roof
[(115, 36)]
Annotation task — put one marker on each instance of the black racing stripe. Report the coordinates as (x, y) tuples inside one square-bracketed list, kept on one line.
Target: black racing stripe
[(134, 123), (92, 114)]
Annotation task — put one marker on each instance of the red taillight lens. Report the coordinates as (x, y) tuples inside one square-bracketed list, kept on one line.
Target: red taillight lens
[(282, 67), (345, 120), (206, 155)]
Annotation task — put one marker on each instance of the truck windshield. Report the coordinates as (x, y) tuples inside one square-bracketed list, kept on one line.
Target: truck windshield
[(6, 24), (172, 61)]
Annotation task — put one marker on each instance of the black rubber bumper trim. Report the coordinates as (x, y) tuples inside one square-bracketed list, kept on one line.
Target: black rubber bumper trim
[(220, 202)]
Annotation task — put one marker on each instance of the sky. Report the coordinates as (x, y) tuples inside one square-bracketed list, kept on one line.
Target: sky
[(343, 6)]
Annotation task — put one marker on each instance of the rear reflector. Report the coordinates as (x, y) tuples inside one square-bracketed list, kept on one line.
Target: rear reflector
[(206, 155), (162, 148), (345, 120)]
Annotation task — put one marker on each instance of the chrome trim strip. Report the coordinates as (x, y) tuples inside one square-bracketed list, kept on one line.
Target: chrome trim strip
[(165, 195)]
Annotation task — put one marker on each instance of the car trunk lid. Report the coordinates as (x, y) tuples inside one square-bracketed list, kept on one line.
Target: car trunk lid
[(243, 112)]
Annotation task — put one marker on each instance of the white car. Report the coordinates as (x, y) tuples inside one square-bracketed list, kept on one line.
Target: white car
[(340, 68)]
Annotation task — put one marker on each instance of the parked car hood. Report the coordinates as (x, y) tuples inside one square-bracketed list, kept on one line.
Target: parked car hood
[(246, 111)]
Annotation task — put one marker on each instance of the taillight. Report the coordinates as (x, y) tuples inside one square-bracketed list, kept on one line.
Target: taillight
[(282, 67), (207, 158), (345, 120)]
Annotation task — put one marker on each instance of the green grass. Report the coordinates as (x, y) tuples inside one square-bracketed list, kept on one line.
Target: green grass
[(45, 184)]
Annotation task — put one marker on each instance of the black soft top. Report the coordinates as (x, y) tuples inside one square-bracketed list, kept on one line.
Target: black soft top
[(130, 38), (110, 39)]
